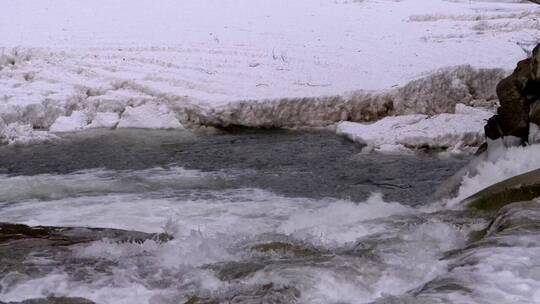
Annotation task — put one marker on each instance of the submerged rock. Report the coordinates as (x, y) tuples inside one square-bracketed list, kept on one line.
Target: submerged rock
[(53, 300), (450, 187), (28, 252), (516, 94), (255, 294), (499, 267), (534, 113), (268, 293), (443, 285), (268, 254), (65, 236), (200, 300), (235, 270), (286, 249), (521, 217)]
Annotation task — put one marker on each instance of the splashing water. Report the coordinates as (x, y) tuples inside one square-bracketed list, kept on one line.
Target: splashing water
[(250, 245)]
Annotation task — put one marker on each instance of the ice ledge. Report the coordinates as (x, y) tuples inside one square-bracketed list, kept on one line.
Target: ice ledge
[(461, 131), (135, 106)]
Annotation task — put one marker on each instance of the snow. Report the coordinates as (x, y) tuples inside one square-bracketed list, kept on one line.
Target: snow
[(17, 134), (104, 120), (75, 122), (459, 131), (252, 62), (150, 116), (394, 248)]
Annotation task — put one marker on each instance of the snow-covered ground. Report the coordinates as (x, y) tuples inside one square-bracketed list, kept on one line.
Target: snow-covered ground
[(247, 62), (459, 131)]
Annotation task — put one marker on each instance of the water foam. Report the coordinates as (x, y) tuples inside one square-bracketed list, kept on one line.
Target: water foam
[(513, 161), (99, 181), (341, 222), (369, 251), (213, 226)]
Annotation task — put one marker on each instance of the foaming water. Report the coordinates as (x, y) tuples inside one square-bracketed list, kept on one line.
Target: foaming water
[(98, 181), (237, 244), (211, 212), (512, 161), (359, 250), (502, 267), (342, 222)]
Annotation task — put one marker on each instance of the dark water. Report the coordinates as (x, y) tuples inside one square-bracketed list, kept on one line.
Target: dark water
[(311, 164)]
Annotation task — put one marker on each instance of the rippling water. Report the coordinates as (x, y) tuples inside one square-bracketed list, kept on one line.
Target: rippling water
[(257, 217)]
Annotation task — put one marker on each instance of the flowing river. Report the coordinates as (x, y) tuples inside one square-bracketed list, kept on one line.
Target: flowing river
[(246, 216)]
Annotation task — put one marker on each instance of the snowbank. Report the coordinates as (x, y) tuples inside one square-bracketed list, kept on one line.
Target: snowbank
[(460, 131), (75, 122), (126, 105), (107, 120), (251, 62), (17, 134), (436, 93)]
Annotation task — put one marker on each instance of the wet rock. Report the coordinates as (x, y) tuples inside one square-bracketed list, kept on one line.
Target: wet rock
[(29, 252), (235, 270), (524, 187), (450, 186), (62, 236), (267, 294), (199, 300), (270, 254), (444, 285), (404, 299), (286, 249), (511, 227), (516, 94), (534, 114), (53, 300), (508, 250), (254, 294), (521, 217), (433, 292)]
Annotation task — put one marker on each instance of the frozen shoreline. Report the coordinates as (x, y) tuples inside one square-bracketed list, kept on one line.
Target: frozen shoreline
[(65, 66), (462, 131), (445, 99)]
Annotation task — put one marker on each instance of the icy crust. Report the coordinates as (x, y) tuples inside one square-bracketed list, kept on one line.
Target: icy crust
[(461, 131), (90, 103), (433, 94)]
